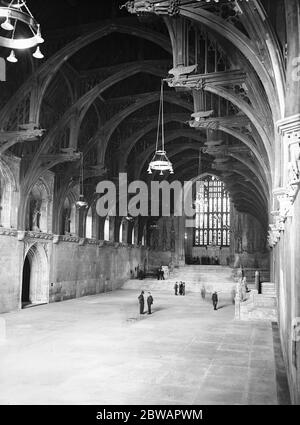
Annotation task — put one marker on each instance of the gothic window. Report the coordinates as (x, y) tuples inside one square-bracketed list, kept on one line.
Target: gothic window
[(106, 229), (89, 224), (212, 225), (121, 229)]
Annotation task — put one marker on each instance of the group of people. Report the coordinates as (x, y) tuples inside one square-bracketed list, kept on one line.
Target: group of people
[(204, 260), (179, 287), (160, 274), (142, 302)]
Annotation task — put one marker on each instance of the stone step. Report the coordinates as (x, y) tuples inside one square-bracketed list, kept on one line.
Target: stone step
[(168, 286), (260, 314), (213, 278)]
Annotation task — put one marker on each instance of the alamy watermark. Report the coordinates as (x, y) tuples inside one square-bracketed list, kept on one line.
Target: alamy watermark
[(138, 199)]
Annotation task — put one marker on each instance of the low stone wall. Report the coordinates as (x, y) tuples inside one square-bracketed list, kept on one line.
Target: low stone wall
[(91, 269), (68, 267)]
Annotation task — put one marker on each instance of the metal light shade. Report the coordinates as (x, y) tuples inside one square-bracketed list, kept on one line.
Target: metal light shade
[(6, 25), (38, 54), (81, 203), (12, 57), (18, 12), (160, 162)]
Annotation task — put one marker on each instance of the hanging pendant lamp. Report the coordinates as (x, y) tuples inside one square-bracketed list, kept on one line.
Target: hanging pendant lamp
[(18, 15), (160, 161), (81, 203)]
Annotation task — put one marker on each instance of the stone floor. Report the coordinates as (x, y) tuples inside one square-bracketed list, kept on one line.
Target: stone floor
[(99, 350)]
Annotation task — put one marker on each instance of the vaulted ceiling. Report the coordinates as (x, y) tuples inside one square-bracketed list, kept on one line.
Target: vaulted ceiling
[(97, 91)]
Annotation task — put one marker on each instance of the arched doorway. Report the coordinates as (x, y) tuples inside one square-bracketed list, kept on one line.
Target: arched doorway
[(26, 283), (35, 282)]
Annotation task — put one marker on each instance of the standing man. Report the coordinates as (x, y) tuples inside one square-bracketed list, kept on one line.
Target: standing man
[(149, 302), (176, 288), (141, 302), (215, 300)]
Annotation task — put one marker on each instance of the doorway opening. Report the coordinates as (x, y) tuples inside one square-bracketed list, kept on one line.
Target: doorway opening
[(26, 283), (35, 282)]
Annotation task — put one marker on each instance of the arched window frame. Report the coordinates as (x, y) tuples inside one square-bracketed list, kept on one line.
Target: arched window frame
[(106, 229), (213, 206), (89, 224)]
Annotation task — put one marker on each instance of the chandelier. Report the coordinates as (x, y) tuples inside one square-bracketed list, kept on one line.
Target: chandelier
[(81, 203), (160, 161), (18, 22)]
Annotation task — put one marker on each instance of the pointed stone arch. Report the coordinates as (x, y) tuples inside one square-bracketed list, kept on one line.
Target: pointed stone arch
[(38, 276)]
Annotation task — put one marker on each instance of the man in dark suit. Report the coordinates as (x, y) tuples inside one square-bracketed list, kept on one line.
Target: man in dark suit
[(141, 302), (215, 300), (149, 302)]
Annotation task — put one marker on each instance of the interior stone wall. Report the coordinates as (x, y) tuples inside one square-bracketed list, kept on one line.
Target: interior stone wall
[(11, 254), (223, 254), (166, 242), (286, 272), (247, 248), (248, 242), (75, 270)]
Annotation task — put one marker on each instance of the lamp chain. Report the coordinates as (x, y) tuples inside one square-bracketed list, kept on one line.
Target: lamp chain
[(158, 124), (162, 116)]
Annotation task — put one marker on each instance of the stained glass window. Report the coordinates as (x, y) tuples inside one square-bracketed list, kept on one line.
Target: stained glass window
[(212, 224)]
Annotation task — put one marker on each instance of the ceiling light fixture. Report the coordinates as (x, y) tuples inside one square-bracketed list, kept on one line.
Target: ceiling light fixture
[(81, 203), (18, 14), (160, 161), (12, 57)]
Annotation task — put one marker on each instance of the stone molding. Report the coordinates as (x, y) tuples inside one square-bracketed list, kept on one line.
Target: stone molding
[(8, 232), (38, 235), (165, 7), (24, 235), (288, 125)]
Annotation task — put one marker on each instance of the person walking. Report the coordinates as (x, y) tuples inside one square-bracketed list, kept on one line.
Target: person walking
[(141, 302), (203, 292), (215, 300), (149, 302), (158, 273), (180, 288), (183, 288), (176, 288)]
